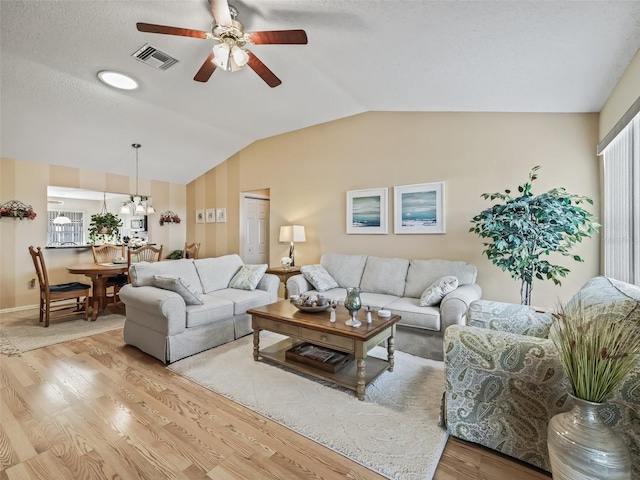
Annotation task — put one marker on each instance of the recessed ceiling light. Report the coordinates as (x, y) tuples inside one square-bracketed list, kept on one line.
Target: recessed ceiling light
[(117, 80)]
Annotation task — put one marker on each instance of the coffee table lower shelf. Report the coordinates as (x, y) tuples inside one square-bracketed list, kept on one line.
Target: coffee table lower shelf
[(345, 377)]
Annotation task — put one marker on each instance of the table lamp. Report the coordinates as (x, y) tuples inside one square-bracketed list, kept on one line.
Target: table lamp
[(292, 233)]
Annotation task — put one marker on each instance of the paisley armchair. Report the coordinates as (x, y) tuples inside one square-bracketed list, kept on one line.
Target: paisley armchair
[(504, 378)]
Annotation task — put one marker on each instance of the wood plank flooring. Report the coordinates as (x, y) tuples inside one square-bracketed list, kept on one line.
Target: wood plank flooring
[(95, 408)]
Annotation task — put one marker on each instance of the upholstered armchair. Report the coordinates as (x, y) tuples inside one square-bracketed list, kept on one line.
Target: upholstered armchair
[(504, 378)]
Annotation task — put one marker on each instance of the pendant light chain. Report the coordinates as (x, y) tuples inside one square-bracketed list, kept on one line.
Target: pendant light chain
[(136, 146)]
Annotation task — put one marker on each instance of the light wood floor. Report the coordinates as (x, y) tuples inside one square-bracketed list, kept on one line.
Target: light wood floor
[(95, 408)]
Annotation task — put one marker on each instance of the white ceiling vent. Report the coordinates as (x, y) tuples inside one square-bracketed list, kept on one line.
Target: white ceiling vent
[(154, 57)]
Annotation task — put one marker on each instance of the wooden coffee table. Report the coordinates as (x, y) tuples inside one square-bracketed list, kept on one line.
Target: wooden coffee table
[(282, 317)]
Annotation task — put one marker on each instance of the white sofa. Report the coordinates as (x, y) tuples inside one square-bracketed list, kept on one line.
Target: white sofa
[(159, 321), (396, 284)]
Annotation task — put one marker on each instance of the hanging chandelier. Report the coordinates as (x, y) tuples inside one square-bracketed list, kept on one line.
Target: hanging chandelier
[(140, 205)]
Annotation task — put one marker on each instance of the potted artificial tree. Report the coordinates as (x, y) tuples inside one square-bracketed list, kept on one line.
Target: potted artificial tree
[(524, 230), (104, 228)]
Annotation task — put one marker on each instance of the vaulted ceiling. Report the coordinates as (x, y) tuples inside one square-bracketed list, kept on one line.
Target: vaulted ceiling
[(373, 55)]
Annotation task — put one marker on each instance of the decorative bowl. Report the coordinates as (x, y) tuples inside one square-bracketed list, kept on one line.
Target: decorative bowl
[(311, 309)]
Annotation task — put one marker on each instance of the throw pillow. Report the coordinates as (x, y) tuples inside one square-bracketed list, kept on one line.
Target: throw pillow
[(178, 285), (318, 276), (434, 294), (248, 277)]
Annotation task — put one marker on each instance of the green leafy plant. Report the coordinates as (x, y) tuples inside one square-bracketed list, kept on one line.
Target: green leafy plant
[(523, 230), (598, 347), (104, 227), (175, 255)]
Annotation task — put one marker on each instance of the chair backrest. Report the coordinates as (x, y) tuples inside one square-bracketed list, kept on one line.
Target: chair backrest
[(148, 253), (191, 250), (37, 255), (107, 252)]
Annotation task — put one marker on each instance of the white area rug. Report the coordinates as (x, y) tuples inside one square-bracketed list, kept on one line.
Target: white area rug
[(24, 334), (393, 432)]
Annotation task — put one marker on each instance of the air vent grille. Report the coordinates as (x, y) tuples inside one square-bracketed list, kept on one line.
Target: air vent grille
[(154, 57)]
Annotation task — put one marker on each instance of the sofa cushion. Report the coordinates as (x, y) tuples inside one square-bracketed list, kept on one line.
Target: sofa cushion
[(346, 269), (384, 275), (216, 273), (318, 276), (413, 315), (248, 277), (376, 300), (434, 294), (213, 309), (243, 300), (178, 285), (423, 273), (142, 273)]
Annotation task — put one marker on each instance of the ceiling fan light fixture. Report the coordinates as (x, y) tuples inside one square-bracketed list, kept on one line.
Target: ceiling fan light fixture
[(117, 80), (229, 56)]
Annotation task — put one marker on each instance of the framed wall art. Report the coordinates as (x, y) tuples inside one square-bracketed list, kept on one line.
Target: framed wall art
[(221, 215), (367, 211), (419, 208), (210, 215), (199, 216)]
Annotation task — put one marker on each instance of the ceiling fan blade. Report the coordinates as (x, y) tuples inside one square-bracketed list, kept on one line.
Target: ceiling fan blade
[(220, 11), (263, 71), (206, 70), (280, 37), (181, 32)]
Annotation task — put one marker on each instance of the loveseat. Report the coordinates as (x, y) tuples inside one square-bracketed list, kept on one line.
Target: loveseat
[(397, 284), (182, 307), (504, 379)]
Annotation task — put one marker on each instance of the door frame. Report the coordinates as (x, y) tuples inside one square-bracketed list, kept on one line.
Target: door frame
[(243, 215)]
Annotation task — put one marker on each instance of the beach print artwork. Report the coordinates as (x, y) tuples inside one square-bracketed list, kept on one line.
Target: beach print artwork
[(419, 209), (366, 212)]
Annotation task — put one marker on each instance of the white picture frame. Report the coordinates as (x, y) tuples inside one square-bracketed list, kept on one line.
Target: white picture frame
[(210, 215), (221, 215), (199, 216), (368, 211), (419, 209)]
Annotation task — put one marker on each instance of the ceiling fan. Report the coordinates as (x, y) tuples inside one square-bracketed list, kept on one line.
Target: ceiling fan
[(229, 53)]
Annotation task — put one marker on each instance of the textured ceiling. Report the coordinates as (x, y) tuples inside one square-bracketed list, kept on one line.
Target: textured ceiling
[(375, 55)]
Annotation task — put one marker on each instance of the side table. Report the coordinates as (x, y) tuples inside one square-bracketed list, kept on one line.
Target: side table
[(284, 274)]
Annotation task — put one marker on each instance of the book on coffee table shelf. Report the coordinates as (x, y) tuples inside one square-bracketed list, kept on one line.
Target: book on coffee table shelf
[(316, 356)]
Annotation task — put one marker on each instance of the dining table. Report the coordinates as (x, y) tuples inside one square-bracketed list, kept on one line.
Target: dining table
[(99, 273)]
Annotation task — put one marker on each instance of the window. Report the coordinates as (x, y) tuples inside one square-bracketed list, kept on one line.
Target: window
[(65, 234), (621, 226)]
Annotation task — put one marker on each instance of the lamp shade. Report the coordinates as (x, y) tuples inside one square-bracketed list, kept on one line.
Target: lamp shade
[(292, 233)]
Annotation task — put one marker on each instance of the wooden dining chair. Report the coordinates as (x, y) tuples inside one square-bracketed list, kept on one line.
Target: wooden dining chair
[(191, 250), (55, 299), (105, 254), (148, 253)]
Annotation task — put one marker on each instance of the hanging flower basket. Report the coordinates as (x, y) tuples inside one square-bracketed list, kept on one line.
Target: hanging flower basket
[(169, 217), (17, 209)]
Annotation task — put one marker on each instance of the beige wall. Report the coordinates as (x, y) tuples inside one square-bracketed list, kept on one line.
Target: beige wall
[(626, 92), (27, 182), (309, 171)]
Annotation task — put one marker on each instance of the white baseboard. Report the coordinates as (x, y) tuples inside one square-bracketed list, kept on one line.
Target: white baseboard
[(18, 309)]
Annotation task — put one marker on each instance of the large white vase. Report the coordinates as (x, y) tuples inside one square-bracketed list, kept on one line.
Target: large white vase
[(582, 447)]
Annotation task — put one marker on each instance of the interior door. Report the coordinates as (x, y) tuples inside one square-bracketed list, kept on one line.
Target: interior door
[(256, 235)]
